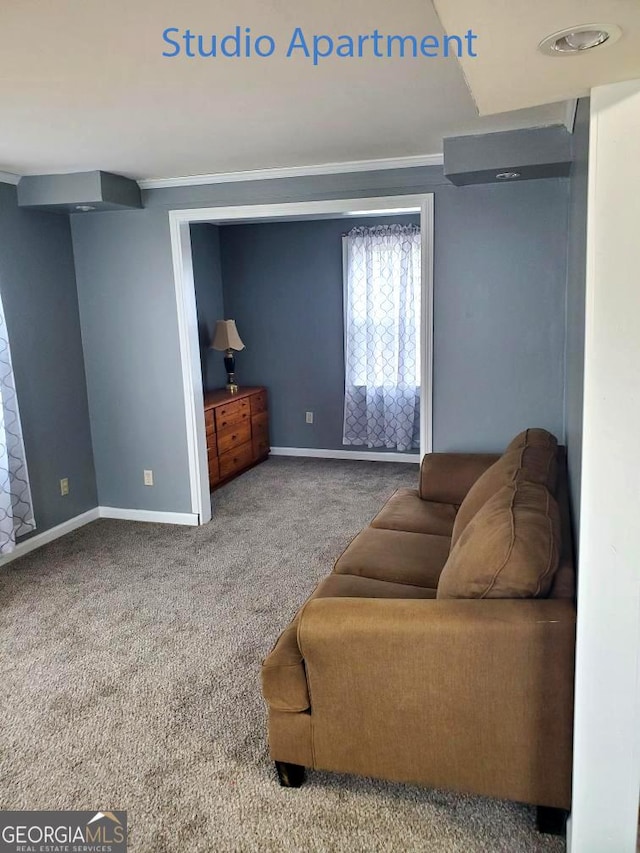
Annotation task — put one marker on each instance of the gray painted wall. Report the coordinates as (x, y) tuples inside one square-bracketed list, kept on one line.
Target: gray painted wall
[(576, 273), (207, 276), (38, 287), (499, 295), (283, 287), (499, 303), (130, 334)]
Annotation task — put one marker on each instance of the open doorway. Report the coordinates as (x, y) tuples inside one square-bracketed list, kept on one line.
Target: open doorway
[(233, 263)]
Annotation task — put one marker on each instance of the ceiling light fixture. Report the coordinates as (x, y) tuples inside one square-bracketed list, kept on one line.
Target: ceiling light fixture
[(507, 176), (84, 207), (578, 39)]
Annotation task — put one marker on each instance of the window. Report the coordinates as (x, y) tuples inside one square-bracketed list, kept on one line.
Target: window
[(382, 336)]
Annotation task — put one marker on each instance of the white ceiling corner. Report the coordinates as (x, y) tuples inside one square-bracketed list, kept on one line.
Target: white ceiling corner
[(89, 89), (510, 72)]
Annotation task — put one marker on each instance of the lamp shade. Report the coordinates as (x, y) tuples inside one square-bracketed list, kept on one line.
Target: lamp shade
[(226, 336)]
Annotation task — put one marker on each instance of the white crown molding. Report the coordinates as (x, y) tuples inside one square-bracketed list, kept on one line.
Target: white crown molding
[(9, 178), (188, 518), (359, 455), (294, 171)]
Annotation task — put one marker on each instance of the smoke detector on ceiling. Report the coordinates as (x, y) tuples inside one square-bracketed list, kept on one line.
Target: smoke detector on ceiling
[(579, 39)]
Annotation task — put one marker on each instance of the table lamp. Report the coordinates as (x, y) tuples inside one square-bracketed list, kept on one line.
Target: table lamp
[(226, 339)]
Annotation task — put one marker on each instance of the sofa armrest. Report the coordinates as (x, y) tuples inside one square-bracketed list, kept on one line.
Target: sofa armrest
[(471, 695), (447, 477), (284, 681)]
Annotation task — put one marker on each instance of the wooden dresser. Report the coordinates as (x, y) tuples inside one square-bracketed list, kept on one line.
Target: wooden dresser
[(237, 432)]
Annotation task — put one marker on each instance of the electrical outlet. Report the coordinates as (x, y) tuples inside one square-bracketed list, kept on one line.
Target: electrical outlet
[(64, 486), (309, 417), (148, 478)]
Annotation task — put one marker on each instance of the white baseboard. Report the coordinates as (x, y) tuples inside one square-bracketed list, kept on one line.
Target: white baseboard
[(97, 512), (362, 455), (189, 518), (56, 532)]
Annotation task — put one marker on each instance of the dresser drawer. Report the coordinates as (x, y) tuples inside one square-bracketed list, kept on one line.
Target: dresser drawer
[(235, 460), (214, 471), (233, 436), (258, 402), (260, 426), (260, 447), (212, 444), (233, 413)]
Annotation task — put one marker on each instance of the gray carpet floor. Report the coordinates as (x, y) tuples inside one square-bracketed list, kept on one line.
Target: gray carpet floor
[(130, 679)]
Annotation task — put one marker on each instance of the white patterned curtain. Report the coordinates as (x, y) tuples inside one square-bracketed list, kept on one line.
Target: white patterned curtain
[(16, 507), (382, 337)]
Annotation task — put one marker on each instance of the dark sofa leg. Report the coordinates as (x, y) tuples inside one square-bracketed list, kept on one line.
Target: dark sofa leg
[(551, 821), (290, 775)]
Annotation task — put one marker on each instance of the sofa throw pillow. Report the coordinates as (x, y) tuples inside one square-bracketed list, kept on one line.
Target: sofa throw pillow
[(534, 437), (510, 549), (536, 464)]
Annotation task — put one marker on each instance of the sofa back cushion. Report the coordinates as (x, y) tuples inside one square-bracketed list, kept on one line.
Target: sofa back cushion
[(534, 437), (538, 464), (510, 549)]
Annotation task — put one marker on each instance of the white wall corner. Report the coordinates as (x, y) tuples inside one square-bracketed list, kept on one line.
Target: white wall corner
[(606, 759)]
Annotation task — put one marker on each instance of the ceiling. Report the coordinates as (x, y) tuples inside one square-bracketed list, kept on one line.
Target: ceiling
[(83, 86), (510, 72)]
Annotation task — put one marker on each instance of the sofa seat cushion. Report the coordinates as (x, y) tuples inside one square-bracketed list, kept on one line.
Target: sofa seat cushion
[(284, 680), (396, 556), (510, 549), (355, 586), (405, 510), (530, 462)]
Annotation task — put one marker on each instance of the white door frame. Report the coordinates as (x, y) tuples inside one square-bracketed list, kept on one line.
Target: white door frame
[(179, 222)]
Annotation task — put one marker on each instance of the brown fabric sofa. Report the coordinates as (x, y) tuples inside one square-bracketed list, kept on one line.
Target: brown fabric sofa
[(464, 683)]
